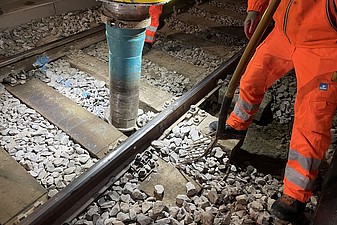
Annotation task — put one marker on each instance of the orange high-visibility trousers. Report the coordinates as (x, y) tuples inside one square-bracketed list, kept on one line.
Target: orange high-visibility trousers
[(155, 11), (315, 104)]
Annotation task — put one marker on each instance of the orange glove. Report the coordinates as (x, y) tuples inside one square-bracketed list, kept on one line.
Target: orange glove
[(250, 23)]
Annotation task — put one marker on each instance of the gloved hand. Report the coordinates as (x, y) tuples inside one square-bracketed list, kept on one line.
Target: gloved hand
[(250, 23)]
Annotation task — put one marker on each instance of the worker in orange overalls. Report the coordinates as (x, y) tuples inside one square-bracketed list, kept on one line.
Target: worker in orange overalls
[(304, 38), (155, 11)]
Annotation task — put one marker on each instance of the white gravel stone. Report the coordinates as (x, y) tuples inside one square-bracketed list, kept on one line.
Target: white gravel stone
[(124, 207), (137, 195), (134, 211), (83, 158), (206, 218), (143, 219), (114, 211), (52, 192), (242, 199), (180, 199), (190, 189), (213, 196), (146, 206), (123, 216), (159, 208)]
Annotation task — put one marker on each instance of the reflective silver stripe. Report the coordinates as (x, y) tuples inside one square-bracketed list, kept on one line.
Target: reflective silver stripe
[(242, 114), (285, 21), (151, 28), (308, 164), (328, 13), (296, 178), (149, 38), (247, 106)]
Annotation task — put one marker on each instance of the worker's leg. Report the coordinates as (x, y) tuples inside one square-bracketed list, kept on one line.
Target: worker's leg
[(271, 61), (315, 106), (155, 11)]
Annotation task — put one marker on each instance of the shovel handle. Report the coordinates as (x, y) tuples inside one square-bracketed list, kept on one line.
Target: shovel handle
[(240, 68), (252, 44)]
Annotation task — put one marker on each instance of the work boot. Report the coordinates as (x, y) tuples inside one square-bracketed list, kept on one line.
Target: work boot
[(287, 208), (147, 47), (229, 133)]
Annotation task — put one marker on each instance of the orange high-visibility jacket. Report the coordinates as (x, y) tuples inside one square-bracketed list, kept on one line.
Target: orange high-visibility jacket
[(155, 11), (307, 23)]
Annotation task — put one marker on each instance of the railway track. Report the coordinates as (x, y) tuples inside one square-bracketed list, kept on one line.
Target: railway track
[(88, 163)]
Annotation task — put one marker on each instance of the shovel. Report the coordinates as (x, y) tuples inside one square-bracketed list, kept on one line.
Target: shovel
[(234, 82)]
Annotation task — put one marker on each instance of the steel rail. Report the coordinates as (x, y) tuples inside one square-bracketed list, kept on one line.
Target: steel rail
[(81, 192)]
